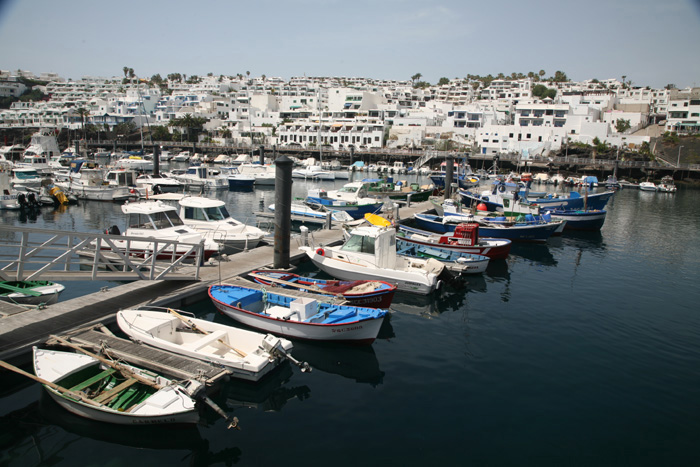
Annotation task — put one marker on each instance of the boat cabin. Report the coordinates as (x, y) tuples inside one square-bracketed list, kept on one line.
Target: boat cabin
[(203, 209), (376, 241)]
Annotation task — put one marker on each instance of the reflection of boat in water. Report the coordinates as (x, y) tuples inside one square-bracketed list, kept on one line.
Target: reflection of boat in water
[(536, 252), (270, 394), (412, 304), (353, 362)]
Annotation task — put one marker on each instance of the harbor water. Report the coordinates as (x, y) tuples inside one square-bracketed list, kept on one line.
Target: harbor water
[(581, 351)]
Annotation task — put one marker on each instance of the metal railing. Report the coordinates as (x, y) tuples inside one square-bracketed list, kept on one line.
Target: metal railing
[(40, 254)]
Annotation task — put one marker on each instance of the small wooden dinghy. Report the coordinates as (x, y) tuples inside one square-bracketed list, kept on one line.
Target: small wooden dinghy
[(246, 354), (126, 396)]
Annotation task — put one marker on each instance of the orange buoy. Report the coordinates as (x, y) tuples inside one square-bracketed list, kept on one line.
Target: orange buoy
[(481, 207)]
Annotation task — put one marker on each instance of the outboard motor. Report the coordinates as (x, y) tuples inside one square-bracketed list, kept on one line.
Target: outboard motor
[(22, 200), (32, 201)]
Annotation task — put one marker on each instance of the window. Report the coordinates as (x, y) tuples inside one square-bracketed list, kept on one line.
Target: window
[(359, 244)]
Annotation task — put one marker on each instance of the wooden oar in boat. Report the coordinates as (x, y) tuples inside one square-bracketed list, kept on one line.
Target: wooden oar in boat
[(75, 395), (194, 327), (117, 366)]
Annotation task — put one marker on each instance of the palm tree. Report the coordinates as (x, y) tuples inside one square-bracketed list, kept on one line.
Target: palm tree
[(83, 113), (416, 77), (542, 73), (126, 71)]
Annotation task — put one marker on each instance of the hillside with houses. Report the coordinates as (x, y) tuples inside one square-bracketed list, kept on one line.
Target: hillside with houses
[(529, 116)]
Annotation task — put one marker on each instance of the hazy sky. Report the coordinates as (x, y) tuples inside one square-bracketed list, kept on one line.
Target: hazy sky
[(652, 42)]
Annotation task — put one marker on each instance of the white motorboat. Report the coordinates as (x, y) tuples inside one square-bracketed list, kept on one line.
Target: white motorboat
[(183, 156), (246, 354), (370, 253), (120, 394), (91, 185), (42, 147), (199, 177), (138, 163), (23, 178), (155, 183), (316, 212), (648, 186), (314, 172), (156, 220), (210, 218)]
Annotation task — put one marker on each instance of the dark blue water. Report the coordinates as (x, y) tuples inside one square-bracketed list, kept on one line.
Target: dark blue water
[(583, 351)]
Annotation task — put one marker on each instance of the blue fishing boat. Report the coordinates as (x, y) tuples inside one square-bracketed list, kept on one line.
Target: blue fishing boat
[(580, 219), (352, 199), (530, 229), (298, 317)]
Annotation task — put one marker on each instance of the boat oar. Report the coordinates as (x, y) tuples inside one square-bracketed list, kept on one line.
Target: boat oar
[(117, 366), (313, 288), (194, 327), (75, 395)]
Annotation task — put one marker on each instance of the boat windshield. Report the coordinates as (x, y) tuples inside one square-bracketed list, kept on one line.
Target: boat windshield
[(206, 214), (27, 174), (359, 244), (158, 220)]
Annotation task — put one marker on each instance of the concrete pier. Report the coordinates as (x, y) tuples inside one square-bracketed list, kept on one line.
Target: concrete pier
[(20, 331)]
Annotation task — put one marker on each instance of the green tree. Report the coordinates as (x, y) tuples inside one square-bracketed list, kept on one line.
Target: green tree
[(83, 112), (443, 81), (416, 77), (541, 74), (126, 71), (622, 125), (560, 77), (160, 133)]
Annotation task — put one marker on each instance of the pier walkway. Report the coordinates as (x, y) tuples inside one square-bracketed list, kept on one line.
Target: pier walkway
[(20, 331)]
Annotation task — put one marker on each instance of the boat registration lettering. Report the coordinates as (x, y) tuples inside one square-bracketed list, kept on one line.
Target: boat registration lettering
[(354, 328)]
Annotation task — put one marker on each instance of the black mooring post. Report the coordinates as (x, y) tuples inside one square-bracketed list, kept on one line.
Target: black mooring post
[(262, 155), (156, 160), (283, 211), (449, 168)]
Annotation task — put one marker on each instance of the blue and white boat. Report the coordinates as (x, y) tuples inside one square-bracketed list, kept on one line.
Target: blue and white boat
[(455, 261), (298, 317), (349, 199), (528, 230), (304, 210)]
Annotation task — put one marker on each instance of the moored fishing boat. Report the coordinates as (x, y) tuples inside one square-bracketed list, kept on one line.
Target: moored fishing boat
[(370, 253), (123, 395), (246, 354), (455, 261), (297, 317), (495, 227), (30, 292), (367, 293), (465, 238), (580, 219)]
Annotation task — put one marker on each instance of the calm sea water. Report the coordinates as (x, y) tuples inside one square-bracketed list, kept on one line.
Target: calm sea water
[(583, 351)]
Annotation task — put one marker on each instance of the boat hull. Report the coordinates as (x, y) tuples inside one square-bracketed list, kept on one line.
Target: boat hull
[(580, 220)]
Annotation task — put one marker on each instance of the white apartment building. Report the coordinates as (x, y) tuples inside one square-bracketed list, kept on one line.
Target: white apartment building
[(683, 112)]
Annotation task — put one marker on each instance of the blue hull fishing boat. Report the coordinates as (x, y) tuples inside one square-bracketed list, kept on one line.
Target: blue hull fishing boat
[(580, 220), (301, 318), (496, 227)]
